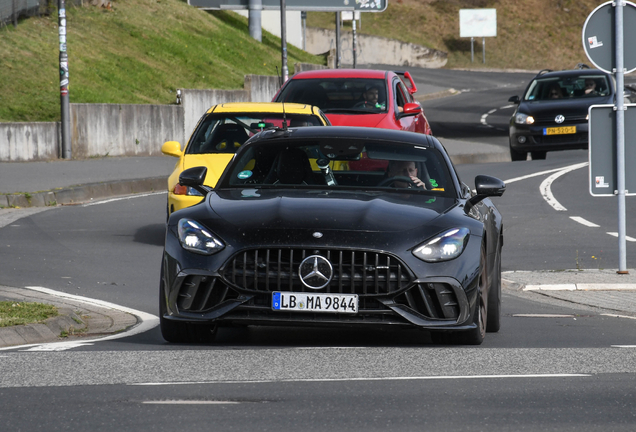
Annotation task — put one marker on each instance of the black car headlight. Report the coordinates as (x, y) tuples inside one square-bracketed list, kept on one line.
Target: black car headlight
[(195, 238), (521, 118), (446, 246)]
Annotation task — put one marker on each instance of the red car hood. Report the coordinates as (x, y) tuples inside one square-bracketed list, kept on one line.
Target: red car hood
[(360, 120)]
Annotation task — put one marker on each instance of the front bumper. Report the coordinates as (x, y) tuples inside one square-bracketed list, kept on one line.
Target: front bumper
[(231, 296), (535, 139)]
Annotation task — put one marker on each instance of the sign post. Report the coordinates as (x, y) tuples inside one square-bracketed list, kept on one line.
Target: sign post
[(603, 41), (477, 23)]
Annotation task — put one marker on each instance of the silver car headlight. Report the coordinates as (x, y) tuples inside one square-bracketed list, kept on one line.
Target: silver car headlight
[(521, 118), (195, 238), (446, 246)]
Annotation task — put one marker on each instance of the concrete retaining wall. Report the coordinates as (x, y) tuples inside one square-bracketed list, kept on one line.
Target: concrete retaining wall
[(29, 141), (123, 130), (374, 50)]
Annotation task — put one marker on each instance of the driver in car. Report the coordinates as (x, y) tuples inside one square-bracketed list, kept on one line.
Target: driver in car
[(404, 169)]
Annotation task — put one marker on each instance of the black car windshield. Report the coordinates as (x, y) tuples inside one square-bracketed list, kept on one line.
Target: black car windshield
[(568, 87), (225, 133), (356, 95), (341, 164)]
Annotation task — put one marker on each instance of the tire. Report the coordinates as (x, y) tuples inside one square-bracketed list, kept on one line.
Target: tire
[(516, 155), (493, 322), (538, 155), (182, 332)]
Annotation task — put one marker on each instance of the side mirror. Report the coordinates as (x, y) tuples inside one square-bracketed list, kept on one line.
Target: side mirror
[(485, 186), (194, 178), (514, 99), (171, 148), (411, 109)]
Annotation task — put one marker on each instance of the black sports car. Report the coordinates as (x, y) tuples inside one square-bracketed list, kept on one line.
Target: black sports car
[(552, 114), (337, 226)]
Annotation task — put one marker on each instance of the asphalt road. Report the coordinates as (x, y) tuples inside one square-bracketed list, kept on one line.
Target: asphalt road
[(553, 366)]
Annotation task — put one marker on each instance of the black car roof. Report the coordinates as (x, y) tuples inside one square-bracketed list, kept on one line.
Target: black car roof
[(340, 132), (572, 72)]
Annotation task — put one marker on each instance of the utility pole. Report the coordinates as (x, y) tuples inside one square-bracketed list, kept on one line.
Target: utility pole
[(283, 40), (254, 19), (337, 40), (64, 99)]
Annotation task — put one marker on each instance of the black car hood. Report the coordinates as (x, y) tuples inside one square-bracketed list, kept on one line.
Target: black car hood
[(262, 211), (565, 106)]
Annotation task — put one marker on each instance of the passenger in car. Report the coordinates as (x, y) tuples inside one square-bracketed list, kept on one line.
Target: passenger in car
[(404, 169), (590, 87), (555, 91)]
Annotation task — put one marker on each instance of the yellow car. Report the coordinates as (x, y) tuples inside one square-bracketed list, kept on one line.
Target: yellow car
[(220, 132)]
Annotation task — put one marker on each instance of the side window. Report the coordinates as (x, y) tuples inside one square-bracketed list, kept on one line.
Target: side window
[(400, 96)]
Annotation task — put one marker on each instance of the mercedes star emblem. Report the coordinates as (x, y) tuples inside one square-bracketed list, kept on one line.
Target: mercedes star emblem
[(315, 272), (560, 118)]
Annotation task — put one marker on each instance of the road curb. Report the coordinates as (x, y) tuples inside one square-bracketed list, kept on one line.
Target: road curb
[(83, 193), (75, 319)]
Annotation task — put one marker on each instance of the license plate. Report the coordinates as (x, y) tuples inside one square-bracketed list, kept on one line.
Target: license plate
[(308, 302), (559, 130)]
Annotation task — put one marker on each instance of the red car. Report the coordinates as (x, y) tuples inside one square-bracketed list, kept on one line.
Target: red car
[(359, 97)]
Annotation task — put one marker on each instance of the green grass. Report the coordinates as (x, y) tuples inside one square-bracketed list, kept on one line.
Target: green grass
[(139, 52), (531, 34), (20, 313)]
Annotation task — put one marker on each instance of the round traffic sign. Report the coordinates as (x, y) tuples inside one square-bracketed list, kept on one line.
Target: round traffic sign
[(599, 34)]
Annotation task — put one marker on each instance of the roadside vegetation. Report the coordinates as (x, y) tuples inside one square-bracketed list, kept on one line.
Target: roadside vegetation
[(135, 51), (21, 313), (531, 34), (141, 51)]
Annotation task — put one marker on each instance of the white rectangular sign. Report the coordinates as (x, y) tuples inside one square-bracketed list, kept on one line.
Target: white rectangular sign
[(477, 22)]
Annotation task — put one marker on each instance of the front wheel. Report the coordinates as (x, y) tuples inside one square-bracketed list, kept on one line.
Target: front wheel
[(516, 155), (493, 323)]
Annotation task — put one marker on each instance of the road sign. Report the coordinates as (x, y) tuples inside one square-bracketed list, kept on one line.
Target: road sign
[(297, 5), (602, 150), (599, 37)]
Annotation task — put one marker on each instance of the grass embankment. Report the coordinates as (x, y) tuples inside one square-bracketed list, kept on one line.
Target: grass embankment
[(531, 34), (16, 313), (138, 52)]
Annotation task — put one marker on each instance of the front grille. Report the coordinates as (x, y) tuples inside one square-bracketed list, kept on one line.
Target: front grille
[(432, 300), (549, 120), (365, 273), (200, 293), (560, 139)]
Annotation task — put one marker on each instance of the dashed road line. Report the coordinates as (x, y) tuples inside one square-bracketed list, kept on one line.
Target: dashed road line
[(584, 222), (628, 238)]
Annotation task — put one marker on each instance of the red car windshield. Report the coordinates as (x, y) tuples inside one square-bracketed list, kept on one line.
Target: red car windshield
[(332, 95)]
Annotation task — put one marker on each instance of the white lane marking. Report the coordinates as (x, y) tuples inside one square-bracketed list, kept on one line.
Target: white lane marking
[(546, 185), (581, 287), (417, 378), (628, 238), (542, 316), (537, 174), (623, 346), (620, 316), (146, 322), (128, 197), (584, 222), (188, 402)]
